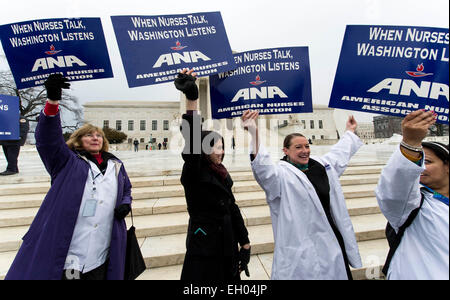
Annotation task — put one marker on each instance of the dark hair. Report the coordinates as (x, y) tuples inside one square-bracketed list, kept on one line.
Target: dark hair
[(288, 139), (441, 150), (211, 138)]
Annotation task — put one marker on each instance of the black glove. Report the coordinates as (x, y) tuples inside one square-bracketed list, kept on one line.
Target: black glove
[(186, 84), (54, 84), (244, 259), (122, 211)]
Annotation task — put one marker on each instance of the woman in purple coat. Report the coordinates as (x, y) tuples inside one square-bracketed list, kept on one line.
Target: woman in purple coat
[(79, 231)]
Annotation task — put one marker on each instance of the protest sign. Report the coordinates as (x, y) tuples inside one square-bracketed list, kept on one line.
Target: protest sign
[(272, 81), (9, 118), (155, 48), (393, 70), (75, 48)]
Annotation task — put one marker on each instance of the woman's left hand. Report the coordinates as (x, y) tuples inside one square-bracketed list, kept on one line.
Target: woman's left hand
[(122, 211), (351, 124), (244, 259), (249, 121)]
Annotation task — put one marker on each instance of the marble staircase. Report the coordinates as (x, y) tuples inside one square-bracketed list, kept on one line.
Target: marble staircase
[(161, 219)]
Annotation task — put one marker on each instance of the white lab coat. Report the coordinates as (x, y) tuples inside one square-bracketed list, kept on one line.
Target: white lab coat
[(305, 244), (91, 237), (423, 252)]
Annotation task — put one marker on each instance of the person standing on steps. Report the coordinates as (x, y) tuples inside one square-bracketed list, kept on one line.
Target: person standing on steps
[(314, 236), (79, 231), (216, 226), (11, 149)]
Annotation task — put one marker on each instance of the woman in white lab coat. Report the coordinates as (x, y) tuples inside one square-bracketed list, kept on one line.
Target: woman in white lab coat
[(416, 179), (314, 236)]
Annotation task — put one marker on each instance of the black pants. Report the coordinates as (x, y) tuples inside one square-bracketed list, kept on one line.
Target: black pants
[(96, 274), (11, 154)]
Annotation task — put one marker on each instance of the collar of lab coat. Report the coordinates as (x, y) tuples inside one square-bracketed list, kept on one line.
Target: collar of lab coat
[(306, 183), (95, 169)]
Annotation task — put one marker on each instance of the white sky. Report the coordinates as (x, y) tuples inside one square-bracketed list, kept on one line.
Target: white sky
[(250, 25)]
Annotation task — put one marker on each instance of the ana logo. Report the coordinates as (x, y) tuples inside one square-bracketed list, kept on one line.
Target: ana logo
[(257, 81), (52, 50), (57, 61), (179, 58), (178, 46), (419, 72), (264, 92), (405, 87)]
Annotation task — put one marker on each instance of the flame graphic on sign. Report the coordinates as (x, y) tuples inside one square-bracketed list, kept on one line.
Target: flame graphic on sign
[(52, 50), (178, 46), (257, 81), (419, 72), (420, 68)]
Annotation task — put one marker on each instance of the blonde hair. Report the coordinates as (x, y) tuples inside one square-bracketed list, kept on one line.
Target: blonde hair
[(74, 142)]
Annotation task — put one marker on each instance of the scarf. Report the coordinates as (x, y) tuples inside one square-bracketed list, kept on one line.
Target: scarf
[(219, 170), (301, 167), (101, 162)]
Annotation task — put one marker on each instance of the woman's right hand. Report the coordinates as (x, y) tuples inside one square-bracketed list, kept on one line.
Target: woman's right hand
[(185, 82), (54, 85), (415, 126)]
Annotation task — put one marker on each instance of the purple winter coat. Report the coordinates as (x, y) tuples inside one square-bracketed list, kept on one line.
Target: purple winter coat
[(46, 244)]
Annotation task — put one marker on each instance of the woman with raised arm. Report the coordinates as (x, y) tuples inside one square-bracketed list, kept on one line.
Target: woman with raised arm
[(413, 193), (216, 226), (314, 236), (79, 231)]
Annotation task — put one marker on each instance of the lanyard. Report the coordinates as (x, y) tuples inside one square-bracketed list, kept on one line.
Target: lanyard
[(437, 196), (93, 181)]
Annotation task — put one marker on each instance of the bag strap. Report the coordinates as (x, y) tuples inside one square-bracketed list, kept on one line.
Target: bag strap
[(131, 211), (398, 238)]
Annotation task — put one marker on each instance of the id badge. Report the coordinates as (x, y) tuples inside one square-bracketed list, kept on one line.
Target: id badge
[(89, 208)]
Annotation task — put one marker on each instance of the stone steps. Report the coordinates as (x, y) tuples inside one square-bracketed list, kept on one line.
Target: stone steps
[(373, 254), (20, 210), (14, 226), (161, 219), (13, 196), (41, 187), (352, 169), (24, 216), (168, 250)]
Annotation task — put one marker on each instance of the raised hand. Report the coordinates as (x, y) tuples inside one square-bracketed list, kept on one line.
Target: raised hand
[(415, 126), (54, 85), (249, 120), (185, 82), (351, 124)]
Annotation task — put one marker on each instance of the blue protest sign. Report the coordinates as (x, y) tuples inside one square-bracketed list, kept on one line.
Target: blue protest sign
[(9, 118), (272, 81), (155, 48), (74, 47), (393, 70)]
